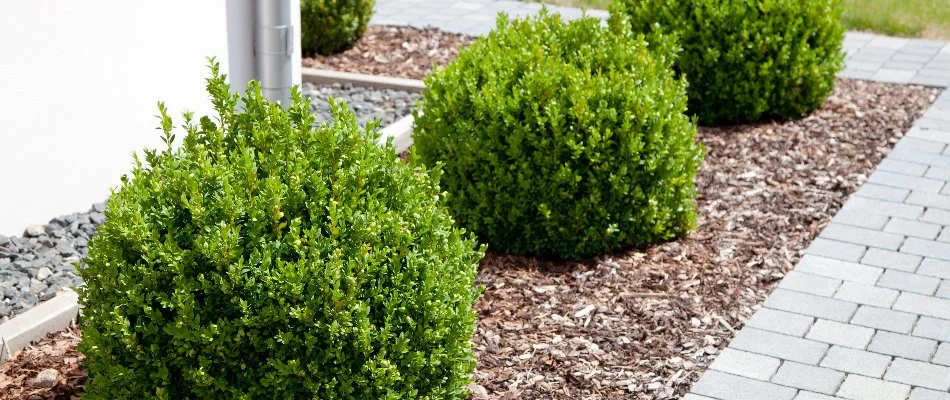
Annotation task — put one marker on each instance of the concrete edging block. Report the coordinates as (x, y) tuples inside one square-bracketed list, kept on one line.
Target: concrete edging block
[(401, 132), (50, 316), (325, 76)]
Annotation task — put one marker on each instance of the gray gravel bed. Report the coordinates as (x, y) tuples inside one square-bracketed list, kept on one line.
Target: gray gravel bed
[(386, 104), (35, 265)]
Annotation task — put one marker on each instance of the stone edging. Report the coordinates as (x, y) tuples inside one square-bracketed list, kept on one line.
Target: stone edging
[(325, 76), (50, 316)]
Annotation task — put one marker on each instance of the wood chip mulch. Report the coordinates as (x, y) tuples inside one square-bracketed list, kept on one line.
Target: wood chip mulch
[(399, 51), (57, 353)]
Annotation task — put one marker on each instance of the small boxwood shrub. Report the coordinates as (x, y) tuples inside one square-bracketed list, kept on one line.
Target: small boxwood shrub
[(328, 26), (268, 258), (563, 139), (749, 59)]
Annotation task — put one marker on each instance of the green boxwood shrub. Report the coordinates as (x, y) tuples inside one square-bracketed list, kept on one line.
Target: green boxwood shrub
[(749, 59), (563, 139), (328, 26), (268, 258)]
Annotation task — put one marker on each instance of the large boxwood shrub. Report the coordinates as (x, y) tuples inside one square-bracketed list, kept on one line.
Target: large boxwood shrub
[(749, 59), (271, 259), (328, 26), (563, 139)]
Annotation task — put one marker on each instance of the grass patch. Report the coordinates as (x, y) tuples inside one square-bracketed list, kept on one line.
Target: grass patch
[(913, 18), (929, 19)]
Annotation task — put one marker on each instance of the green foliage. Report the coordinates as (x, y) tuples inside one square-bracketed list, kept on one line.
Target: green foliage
[(328, 26), (563, 139), (268, 258), (749, 59)]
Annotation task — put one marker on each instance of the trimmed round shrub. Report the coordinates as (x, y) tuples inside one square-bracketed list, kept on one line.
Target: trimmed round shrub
[(267, 258), (563, 139), (748, 60), (328, 26)]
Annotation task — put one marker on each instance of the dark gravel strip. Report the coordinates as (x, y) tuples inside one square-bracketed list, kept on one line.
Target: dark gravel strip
[(387, 105), (35, 265)]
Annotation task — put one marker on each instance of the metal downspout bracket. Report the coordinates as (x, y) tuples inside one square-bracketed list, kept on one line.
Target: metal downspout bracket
[(273, 47)]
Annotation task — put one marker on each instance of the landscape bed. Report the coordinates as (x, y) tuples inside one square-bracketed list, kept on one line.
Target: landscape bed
[(643, 324)]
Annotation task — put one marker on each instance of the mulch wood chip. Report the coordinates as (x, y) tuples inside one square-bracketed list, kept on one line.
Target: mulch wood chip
[(54, 357), (644, 323), (399, 51)]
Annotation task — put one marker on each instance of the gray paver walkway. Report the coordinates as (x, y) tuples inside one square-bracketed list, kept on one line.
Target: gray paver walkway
[(866, 312)]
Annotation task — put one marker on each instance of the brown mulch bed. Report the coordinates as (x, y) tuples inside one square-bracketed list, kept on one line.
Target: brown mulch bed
[(399, 51), (644, 324), (56, 352)]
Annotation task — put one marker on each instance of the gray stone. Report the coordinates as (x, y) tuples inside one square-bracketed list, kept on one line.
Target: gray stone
[(862, 236), (780, 322), (893, 75), (891, 259), (942, 356), (937, 216), (840, 334), (880, 318), (839, 269), (923, 305), (886, 208), (808, 304), (808, 283), (900, 167), (915, 144), (779, 346), (97, 218), (918, 373), (903, 346), (856, 361), (944, 290), (4, 241), (928, 199), (933, 328), (926, 248), (807, 377), (37, 286), (939, 173), (861, 219), (33, 231), (46, 378), (936, 268), (866, 294), (881, 192), (66, 250), (861, 387), (723, 386), (927, 394), (836, 249), (908, 282), (43, 273), (749, 365), (912, 228)]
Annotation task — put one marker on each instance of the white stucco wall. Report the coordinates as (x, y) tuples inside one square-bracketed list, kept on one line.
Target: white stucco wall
[(79, 81)]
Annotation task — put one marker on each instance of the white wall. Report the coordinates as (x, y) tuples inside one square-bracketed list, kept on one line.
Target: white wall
[(79, 80)]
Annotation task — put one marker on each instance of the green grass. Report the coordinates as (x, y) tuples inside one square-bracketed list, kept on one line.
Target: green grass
[(914, 18), (911, 18)]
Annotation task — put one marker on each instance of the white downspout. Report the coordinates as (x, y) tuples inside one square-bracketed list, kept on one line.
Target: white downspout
[(274, 48)]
